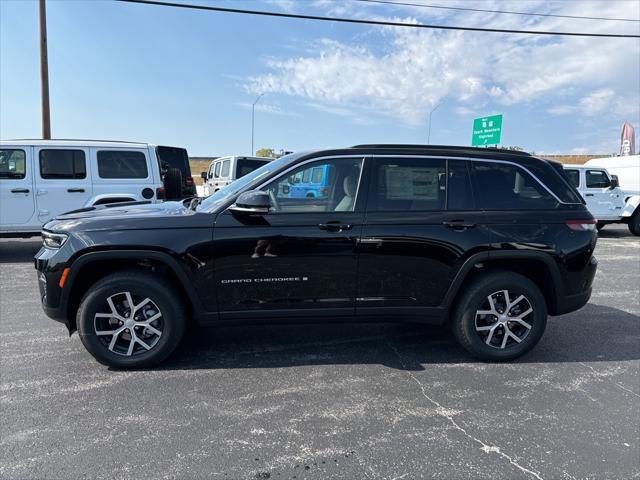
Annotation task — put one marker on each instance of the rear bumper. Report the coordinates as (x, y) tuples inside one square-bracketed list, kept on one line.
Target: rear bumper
[(571, 303)]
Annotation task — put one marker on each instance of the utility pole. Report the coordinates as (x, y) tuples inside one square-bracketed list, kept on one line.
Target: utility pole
[(44, 73), (253, 123), (431, 113)]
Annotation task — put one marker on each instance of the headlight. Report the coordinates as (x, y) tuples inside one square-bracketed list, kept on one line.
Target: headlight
[(53, 240)]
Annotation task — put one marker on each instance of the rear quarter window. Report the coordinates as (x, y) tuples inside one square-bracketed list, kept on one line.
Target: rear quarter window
[(501, 186), (122, 164)]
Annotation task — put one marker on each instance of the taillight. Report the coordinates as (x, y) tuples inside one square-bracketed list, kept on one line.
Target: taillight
[(160, 194), (581, 225), (189, 181)]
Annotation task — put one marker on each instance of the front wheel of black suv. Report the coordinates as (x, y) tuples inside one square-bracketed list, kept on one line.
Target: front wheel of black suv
[(499, 316), (634, 222), (131, 319)]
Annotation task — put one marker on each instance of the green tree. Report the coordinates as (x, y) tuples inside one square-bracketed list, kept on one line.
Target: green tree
[(265, 152)]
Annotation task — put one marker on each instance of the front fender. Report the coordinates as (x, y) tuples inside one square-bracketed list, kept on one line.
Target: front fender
[(630, 206)]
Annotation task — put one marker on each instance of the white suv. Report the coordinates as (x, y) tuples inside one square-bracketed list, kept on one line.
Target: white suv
[(224, 170), (40, 179), (605, 199)]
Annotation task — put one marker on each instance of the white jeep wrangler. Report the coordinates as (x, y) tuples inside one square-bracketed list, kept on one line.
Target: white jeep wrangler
[(605, 199), (40, 179)]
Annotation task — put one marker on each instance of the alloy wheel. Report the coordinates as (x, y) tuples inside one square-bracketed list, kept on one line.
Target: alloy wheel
[(132, 327), (502, 322)]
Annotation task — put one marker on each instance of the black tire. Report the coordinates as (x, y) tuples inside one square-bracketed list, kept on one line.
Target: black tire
[(600, 225), (634, 222), (141, 285), (474, 298), (173, 184), (310, 195)]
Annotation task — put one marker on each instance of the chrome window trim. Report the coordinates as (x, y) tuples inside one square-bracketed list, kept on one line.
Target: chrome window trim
[(471, 159), (311, 160)]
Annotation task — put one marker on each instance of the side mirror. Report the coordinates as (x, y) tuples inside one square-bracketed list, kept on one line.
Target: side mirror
[(204, 176), (254, 202), (614, 182)]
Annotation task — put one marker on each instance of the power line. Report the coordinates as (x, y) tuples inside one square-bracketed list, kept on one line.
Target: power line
[(467, 9), (372, 22)]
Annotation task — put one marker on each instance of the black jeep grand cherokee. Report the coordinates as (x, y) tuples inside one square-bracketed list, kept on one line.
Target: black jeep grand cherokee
[(486, 240)]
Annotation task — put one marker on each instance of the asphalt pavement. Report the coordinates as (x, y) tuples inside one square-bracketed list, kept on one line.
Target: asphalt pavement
[(319, 402)]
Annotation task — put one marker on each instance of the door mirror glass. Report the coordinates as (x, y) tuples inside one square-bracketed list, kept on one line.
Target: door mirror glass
[(253, 202), (204, 176), (614, 182)]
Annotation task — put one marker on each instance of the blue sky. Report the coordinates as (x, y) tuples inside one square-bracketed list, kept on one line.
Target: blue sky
[(188, 78)]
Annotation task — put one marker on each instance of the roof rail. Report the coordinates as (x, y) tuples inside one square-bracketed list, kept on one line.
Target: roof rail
[(441, 147), (69, 140)]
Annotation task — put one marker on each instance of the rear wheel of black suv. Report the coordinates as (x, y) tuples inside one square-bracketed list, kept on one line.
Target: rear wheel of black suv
[(499, 316), (131, 319)]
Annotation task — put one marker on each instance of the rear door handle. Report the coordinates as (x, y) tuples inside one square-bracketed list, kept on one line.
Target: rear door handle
[(20, 190), (458, 225), (75, 190), (588, 194), (335, 227)]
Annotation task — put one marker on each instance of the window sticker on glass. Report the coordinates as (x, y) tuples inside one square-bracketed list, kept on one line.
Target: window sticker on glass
[(411, 183)]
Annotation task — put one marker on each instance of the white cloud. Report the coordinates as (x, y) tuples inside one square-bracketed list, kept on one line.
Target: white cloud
[(414, 69), (268, 108)]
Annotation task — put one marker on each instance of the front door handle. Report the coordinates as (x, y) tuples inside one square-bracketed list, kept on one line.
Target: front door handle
[(588, 194), (20, 190), (458, 225), (335, 227), (75, 190)]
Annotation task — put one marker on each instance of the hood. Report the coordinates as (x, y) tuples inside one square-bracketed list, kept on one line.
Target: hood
[(130, 216)]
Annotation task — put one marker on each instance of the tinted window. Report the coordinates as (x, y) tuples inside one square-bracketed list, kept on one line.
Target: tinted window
[(122, 164), (225, 168), (502, 186), (574, 177), (459, 194), (245, 166), (336, 193), (61, 164), (305, 176), (408, 184), (12, 163), (597, 179), (216, 173), (317, 175), (173, 157)]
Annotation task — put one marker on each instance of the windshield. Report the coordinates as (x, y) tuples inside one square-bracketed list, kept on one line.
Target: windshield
[(222, 195)]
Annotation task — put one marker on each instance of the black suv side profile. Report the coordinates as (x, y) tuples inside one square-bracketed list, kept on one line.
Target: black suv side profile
[(488, 241)]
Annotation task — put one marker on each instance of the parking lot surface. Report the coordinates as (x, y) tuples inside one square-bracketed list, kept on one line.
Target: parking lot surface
[(325, 401)]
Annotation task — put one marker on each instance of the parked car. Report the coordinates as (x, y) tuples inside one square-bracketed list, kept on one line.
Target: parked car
[(40, 179), (626, 168), (225, 170), (604, 197), (314, 183), (487, 241)]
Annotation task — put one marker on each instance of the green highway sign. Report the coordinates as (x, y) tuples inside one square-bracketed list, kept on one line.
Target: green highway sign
[(486, 130)]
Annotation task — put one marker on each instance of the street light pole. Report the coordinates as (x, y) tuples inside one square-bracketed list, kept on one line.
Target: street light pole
[(44, 73), (430, 114), (253, 121)]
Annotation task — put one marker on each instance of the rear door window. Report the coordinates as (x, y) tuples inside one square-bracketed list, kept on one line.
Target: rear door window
[(225, 168), (13, 163), (401, 184), (122, 164), (62, 164), (501, 186), (573, 176)]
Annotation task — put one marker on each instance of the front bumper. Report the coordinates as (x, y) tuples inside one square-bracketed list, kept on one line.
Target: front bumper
[(48, 274)]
